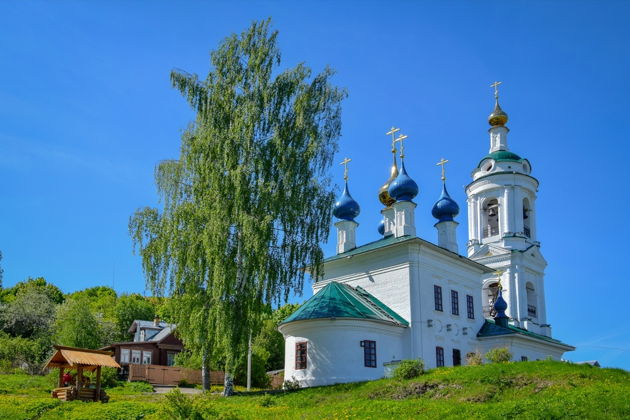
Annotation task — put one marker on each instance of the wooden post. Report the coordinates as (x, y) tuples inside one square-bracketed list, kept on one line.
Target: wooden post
[(78, 378), (60, 378), (97, 391)]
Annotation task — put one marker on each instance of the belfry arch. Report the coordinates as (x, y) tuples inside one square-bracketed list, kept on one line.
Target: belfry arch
[(490, 220)]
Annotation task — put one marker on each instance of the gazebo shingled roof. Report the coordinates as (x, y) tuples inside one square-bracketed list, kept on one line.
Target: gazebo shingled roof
[(71, 357)]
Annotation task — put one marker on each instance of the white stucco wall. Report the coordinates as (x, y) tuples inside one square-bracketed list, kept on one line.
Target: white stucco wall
[(334, 352), (521, 346)]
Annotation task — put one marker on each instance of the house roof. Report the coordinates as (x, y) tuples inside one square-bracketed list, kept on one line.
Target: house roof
[(391, 240), (140, 323), (491, 329), (68, 357), (338, 300), (168, 330)]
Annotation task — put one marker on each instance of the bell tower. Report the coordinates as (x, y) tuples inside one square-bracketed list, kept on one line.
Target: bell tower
[(502, 229)]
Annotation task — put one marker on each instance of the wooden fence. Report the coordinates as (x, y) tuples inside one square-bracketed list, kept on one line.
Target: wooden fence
[(170, 375)]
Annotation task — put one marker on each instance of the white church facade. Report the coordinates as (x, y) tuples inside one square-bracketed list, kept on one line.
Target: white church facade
[(402, 297)]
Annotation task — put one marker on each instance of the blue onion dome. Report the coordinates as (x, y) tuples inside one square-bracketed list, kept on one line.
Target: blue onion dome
[(381, 227), (500, 305), (403, 188), (445, 209), (346, 208)]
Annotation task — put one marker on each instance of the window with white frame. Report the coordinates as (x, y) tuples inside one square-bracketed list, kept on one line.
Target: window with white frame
[(146, 357), (136, 356), (124, 355)]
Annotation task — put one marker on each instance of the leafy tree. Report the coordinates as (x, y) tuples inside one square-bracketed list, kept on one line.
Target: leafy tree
[(129, 308), (247, 204), (26, 353), (39, 283), (102, 300), (77, 326), (1, 272), (268, 345), (29, 314)]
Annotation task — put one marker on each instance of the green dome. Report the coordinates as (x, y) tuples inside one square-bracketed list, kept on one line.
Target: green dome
[(502, 156)]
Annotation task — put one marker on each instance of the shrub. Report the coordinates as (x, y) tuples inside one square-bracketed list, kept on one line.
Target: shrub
[(183, 383), (177, 406), (291, 384), (408, 369), (131, 388), (109, 377), (26, 354), (499, 355), (267, 401), (474, 358)]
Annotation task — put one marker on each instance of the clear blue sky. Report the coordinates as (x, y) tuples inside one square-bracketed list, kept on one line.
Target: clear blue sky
[(86, 111)]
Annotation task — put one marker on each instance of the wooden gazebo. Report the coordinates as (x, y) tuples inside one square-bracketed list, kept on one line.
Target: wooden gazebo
[(82, 360)]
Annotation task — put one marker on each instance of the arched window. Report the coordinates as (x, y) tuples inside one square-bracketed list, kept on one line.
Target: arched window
[(531, 300), (491, 218), (526, 218), (490, 293)]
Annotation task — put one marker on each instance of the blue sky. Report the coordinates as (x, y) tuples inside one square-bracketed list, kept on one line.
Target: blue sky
[(86, 111)]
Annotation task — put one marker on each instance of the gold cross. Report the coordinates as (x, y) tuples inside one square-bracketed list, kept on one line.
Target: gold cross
[(393, 132), (345, 168), (499, 273), (495, 85), (402, 149), (442, 162)]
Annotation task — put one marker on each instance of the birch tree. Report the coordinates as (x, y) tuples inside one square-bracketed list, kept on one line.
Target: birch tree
[(247, 203)]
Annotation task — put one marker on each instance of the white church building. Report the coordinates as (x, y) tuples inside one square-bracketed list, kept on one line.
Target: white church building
[(403, 297)]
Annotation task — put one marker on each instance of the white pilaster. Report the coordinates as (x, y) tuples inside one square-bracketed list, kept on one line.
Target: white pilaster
[(346, 235), (507, 213), (447, 235), (404, 219)]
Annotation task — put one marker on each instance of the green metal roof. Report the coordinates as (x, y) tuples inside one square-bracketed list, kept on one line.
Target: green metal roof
[(337, 300), (502, 156), (491, 329)]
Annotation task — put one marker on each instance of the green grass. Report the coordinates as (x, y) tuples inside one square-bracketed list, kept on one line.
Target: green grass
[(524, 390)]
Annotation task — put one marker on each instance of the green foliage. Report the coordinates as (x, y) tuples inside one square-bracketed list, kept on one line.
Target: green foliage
[(533, 390), (25, 384), (499, 355), (77, 326), (474, 358), (260, 379), (1, 272), (267, 400), (184, 384), (127, 309), (269, 343), (188, 359), (130, 388), (101, 300), (39, 284), (291, 384), (109, 377), (409, 369), (24, 353), (248, 203), (178, 406), (29, 314)]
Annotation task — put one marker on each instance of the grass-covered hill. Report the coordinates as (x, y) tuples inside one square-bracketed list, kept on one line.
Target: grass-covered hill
[(536, 390)]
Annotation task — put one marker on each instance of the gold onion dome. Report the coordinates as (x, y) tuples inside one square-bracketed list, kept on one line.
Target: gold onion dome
[(383, 192), (498, 116)]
